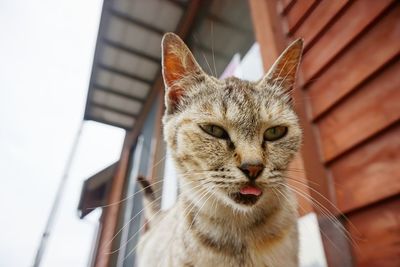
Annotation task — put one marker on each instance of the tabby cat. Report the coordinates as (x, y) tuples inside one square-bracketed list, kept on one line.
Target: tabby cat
[(231, 141)]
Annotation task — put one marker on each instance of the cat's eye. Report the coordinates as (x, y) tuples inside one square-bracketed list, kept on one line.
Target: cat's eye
[(214, 130), (275, 133)]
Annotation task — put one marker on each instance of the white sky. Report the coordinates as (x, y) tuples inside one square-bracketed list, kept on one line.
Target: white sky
[(46, 52)]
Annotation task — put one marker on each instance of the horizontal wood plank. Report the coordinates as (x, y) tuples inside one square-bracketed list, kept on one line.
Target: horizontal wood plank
[(318, 20), (377, 235), (369, 173), (298, 12), (361, 60), (358, 16), (366, 112), (285, 5)]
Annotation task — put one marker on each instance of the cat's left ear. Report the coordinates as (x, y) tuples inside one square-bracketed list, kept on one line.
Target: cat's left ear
[(283, 71), (180, 70)]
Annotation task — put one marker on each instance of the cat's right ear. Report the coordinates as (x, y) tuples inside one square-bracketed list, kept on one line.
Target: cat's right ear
[(179, 69), (282, 74)]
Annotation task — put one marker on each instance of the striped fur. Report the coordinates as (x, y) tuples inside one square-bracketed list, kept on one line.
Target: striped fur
[(207, 227)]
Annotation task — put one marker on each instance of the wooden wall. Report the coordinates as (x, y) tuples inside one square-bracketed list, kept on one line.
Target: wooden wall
[(350, 79)]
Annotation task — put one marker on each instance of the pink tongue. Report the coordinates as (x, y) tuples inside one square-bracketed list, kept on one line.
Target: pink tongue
[(250, 190)]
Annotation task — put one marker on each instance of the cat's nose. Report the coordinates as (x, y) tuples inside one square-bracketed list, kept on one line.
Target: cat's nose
[(251, 170)]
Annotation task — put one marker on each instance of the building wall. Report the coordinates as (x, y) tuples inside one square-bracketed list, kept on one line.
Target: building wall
[(348, 98), (350, 87)]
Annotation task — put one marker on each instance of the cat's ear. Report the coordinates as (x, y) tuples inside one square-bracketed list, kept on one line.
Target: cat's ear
[(283, 71), (179, 68)]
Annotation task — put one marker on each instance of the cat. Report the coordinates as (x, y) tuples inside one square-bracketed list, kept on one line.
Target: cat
[(231, 141)]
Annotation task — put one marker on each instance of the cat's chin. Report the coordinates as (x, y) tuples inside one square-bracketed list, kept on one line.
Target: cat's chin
[(246, 200)]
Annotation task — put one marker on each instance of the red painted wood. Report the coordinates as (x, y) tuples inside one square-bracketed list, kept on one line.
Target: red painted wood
[(366, 112), (318, 19), (285, 5), (361, 60), (369, 173), (377, 235), (356, 18), (298, 12)]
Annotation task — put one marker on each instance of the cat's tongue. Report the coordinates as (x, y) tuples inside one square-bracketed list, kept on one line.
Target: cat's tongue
[(250, 190)]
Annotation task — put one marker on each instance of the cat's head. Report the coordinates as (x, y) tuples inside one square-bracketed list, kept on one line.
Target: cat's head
[(230, 137)]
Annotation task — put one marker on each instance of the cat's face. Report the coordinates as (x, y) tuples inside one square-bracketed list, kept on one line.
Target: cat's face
[(230, 138)]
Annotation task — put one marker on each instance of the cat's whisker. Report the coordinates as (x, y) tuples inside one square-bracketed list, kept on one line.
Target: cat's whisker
[(135, 216), (322, 208), (136, 233), (202, 195), (132, 195), (305, 182), (309, 181), (134, 249), (295, 170), (204, 56), (329, 215), (128, 197), (196, 172), (329, 202), (322, 232), (308, 198), (215, 207), (125, 225), (193, 205), (133, 236), (158, 162), (277, 197), (194, 218), (212, 48)]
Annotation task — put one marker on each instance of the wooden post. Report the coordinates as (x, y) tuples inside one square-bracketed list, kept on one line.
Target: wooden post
[(111, 213)]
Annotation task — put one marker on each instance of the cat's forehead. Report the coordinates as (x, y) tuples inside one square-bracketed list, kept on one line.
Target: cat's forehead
[(246, 98), (240, 101), (240, 104), (234, 82)]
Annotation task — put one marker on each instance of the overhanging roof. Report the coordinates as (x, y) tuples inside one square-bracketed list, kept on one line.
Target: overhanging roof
[(127, 57)]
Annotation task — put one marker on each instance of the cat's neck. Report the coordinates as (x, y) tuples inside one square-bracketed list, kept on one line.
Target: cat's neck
[(225, 230)]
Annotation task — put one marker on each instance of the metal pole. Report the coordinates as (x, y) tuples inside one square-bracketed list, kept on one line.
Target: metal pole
[(60, 191)]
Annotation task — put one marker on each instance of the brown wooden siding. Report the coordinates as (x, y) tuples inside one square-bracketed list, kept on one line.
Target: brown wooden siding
[(285, 5), (372, 167), (298, 13), (324, 13), (369, 110), (377, 230), (358, 62), (341, 34), (350, 84)]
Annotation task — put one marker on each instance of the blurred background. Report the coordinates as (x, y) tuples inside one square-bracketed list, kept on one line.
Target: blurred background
[(81, 101)]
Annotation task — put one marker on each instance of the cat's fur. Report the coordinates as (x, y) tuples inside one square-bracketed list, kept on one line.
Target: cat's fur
[(207, 227)]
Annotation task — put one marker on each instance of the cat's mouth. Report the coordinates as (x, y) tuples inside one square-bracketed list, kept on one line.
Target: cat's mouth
[(248, 195)]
